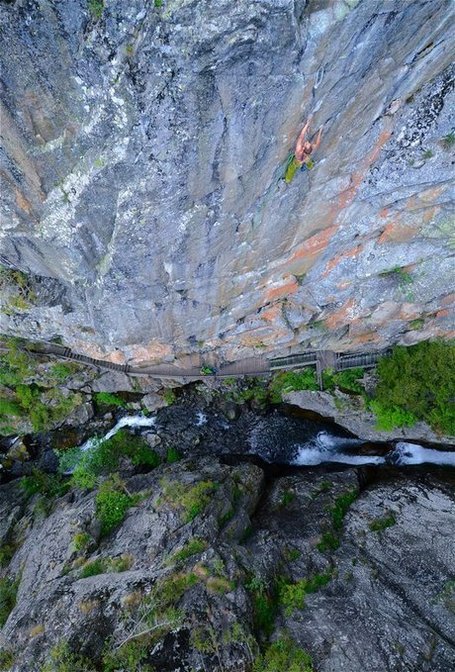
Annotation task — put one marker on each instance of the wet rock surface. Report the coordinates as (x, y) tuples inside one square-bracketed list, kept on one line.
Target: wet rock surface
[(143, 151), (385, 603)]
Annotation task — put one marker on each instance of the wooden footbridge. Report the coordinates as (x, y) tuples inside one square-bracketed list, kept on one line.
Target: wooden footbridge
[(252, 366)]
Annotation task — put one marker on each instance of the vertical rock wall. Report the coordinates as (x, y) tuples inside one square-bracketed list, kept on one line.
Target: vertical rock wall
[(143, 152)]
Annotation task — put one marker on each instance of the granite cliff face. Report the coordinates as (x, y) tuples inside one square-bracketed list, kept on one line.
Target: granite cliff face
[(143, 151)]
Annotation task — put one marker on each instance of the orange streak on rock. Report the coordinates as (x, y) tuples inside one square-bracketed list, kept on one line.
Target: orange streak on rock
[(271, 314), (339, 257), (314, 245), (281, 291), (341, 316)]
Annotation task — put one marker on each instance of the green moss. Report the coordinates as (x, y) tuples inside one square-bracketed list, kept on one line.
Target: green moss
[(169, 396), (48, 485), (287, 497), (6, 659), (96, 8), (417, 324), (81, 541), (172, 455), (283, 655), (193, 500), (341, 507), (329, 542), (382, 523), (292, 595), (93, 568), (192, 547)]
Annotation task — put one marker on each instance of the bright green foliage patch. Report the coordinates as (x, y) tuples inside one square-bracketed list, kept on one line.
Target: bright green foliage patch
[(128, 657), (108, 399), (192, 547), (417, 383), (169, 396), (112, 503), (341, 507), (104, 565), (289, 381), (283, 656), (96, 7), (81, 541), (104, 457), (8, 592), (193, 500), (292, 595)]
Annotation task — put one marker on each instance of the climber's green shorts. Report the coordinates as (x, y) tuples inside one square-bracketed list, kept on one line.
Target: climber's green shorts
[(292, 166)]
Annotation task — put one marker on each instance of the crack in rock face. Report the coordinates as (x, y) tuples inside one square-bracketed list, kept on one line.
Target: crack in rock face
[(143, 154)]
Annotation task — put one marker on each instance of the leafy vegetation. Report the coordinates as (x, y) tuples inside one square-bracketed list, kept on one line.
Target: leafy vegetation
[(108, 399), (283, 655), (417, 383), (48, 485), (104, 565), (172, 455), (288, 381), (192, 547), (112, 503), (192, 500), (169, 396), (265, 604), (62, 659), (330, 539), (82, 541), (8, 592), (96, 8), (6, 659), (103, 457), (292, 595)]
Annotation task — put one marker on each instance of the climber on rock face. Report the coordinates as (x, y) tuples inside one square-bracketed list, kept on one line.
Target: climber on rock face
[(304, 148)]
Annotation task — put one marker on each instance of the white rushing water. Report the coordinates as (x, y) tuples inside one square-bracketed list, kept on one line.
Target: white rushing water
[(327, 448), (126, 421)]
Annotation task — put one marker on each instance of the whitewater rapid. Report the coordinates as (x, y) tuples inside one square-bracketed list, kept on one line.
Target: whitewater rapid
[(325, 448)]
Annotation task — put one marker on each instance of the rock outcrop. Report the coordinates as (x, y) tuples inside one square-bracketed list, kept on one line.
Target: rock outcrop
[(143, 151), (361, 578)]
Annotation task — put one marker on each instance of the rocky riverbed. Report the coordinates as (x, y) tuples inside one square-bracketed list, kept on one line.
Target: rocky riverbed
[(228, 547)]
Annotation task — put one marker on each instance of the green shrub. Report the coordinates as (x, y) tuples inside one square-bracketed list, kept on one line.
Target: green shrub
[(288, 381), (93, 568), (193, 500), (48, 485), (283, 656), (169, 396), (350, 380), (192, 547), (292, 595), (128, 657), (329, 542), (108, 399), (8, 592), (96, 8), (61, 371), (112, 503), (81, 541), (6, 660), (7, 552), (382, 523), (172, 455), (417, 382), (341, 507), (265, 605), (103, 457), (62, 659)]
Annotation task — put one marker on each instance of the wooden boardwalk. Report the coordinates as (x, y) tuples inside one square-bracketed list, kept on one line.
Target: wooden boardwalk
[(252, 366)]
